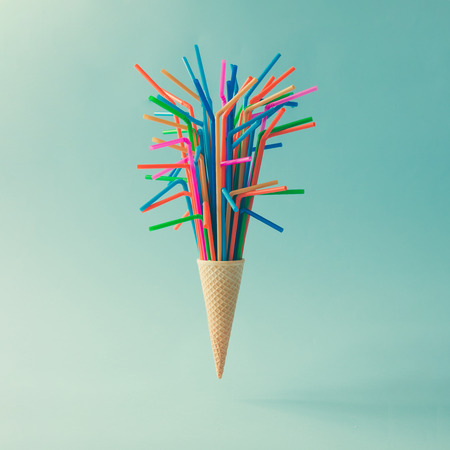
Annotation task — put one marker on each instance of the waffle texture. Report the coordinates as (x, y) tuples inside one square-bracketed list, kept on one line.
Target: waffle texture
[(221, 281)]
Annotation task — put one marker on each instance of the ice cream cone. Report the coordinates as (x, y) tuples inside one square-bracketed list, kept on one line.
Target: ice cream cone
[(220, 283)]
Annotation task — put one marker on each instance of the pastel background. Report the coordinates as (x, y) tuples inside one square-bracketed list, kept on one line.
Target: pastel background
[(341, 336)]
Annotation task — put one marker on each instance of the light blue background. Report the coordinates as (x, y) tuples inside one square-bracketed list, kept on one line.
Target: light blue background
[(341, 336)]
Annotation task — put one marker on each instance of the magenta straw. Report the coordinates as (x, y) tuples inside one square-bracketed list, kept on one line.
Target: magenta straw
[(222, 82), (284, 100), (194, 182), (228, 162), (162, 172)]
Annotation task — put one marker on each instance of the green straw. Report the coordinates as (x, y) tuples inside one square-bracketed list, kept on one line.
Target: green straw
[(172, 131), (174, 222), (165, 178), (287, 192)]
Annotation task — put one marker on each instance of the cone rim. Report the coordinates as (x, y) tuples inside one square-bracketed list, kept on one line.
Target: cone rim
[(222, 263)]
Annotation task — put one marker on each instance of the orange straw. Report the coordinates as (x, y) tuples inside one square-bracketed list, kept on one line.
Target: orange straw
[(168, 199)]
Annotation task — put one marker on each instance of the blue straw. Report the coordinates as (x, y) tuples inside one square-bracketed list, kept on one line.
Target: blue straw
[(261, 219), (260, 78), (202, 74), (163, 113), (229, 200)]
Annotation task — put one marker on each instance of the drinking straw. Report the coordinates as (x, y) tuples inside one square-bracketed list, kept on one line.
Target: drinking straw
[(202, 73), (159, 166), (162, 172), (197, 208), (173, 222), (230, 200), (222, 82), (290, 130), (260, 78), (269, 146), (162, 113), (164, 178), (243, 195), (236, 161), (165, 122), (223, 112), (180, 84), (172, 131), (261, 219), (287, 192), (167, 200), (207, 223)]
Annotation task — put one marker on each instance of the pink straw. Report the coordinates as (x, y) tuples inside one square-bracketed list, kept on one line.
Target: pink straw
[(236, 161), (285, 100), (162, 172), (222, 82), (194, 183)]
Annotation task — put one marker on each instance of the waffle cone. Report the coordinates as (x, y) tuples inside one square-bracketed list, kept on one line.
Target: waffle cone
[(221, 281)]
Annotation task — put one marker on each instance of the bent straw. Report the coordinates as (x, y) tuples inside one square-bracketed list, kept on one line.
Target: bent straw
[(243, 195), (236, 161), (261, 219), (165, 122), (208, 225), (180, 84), (230, 200), (223, 111), (202, 73), (246, 113), (167, 200), (173, 222)]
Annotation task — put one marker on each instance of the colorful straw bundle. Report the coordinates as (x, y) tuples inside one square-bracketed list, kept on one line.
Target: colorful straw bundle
[(221, 157)]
